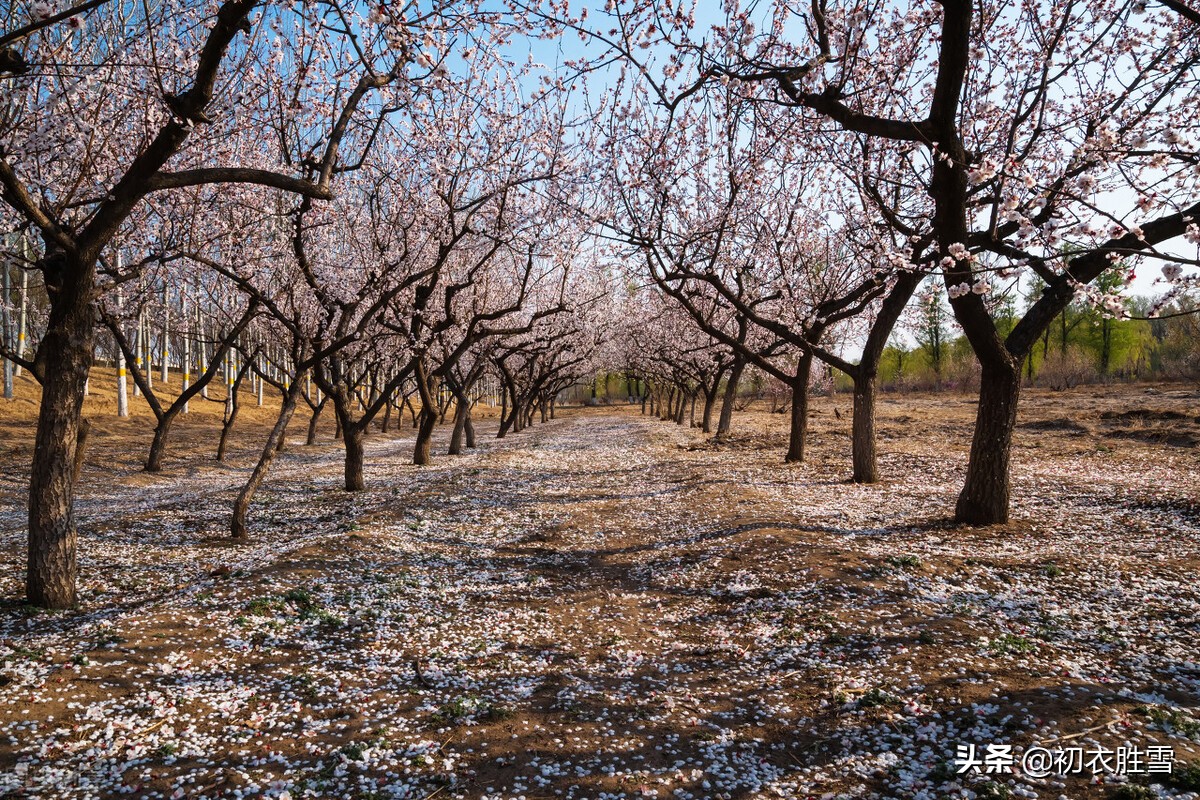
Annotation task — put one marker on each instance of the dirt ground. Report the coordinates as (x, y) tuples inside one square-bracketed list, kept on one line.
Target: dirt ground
[(611, 606)]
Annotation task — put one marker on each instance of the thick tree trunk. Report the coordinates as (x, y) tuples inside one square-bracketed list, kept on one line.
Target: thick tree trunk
[(985, 494), (240, 506), (469, 430), (353, 441), (158, 447), (428, 420), (65, 354), (798, 430), (862, 433), (731, 388), (461, 411), (710, 400)]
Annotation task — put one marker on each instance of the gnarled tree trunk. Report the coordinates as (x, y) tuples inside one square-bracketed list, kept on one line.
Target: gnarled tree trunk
[(65, 357), (428, 419), (462, 410), (355, 454), (862, 433), (985, 494), (798, 429)]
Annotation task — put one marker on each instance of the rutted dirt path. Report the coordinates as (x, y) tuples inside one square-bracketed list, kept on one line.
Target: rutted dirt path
[(609, 606)]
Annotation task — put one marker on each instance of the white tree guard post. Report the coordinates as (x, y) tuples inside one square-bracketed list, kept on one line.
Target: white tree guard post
[(201, 350), (23, 314), (186, 364), (147, 346), (164, 375), (137, 351), (228, 384), (122, 385), (5, 332)]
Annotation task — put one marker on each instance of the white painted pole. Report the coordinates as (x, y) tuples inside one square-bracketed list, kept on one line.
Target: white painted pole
[(166, 340), (122, 388), (4, 332), (187, 347)]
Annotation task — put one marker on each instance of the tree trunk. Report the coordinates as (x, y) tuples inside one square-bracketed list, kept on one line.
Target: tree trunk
[(469, 430), (985, 494), (710, 400), (311, 438), (158, 447), (238, 527), (799, 423), (65, 354), (461, 411), (353, 441), (727, 402), (862, 434), (233, 406), (81, 441), (428, 420)]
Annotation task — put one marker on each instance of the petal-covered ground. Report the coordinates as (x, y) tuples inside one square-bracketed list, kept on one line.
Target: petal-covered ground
[(610, 606)]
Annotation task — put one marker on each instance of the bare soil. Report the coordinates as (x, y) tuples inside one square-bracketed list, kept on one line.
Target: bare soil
[(610, 606)]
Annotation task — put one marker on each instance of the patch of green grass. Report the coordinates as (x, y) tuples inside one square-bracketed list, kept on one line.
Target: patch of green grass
[(302, 600), (460, 708), (1185, 778), (497, 712), (1172, 720), (30, 653), (1130, 791), (354, 751), (904, 562), (307, 685), (262, 607), (1051, 570), (325, 618), (878, 698), (926, 637), (1010, 644), (993, 791)]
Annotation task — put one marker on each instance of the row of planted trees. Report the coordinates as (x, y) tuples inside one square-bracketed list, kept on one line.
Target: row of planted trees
[(396, 201), (789, 176), (361, 209)]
